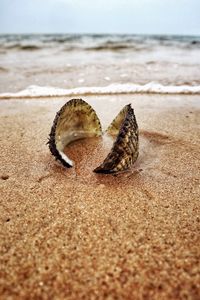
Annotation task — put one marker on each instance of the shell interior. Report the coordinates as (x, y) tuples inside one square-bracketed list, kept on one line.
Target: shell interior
[(75, 120)]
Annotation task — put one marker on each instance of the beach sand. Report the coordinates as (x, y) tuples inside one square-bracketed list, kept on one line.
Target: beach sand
[(74, 234)]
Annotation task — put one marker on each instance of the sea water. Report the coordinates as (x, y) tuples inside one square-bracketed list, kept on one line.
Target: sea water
[(63, 64)]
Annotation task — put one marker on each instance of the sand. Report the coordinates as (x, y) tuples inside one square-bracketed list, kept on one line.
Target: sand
[(74, 234)]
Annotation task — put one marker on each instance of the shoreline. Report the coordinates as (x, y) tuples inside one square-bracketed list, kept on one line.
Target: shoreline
[(150, 88), (73, 233)]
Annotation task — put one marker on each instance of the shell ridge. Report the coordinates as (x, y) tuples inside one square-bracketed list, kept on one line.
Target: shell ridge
[(121, 144)]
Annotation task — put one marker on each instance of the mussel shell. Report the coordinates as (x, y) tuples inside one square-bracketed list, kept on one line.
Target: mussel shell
[(125, 148), (75, 120)]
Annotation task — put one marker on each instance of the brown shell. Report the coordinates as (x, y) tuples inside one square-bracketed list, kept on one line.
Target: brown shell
[(75, 120), (125, 148)]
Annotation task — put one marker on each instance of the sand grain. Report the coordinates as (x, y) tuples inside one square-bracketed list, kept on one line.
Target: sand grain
[(74, 234)]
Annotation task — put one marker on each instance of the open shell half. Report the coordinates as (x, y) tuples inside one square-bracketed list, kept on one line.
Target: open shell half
[(74, 121), (125, 148)]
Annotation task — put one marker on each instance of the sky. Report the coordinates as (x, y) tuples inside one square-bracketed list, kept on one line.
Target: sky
[(100, 16)]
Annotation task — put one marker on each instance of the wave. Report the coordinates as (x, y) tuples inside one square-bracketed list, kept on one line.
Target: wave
[(25, 47), (113, 45), (97, 42), (29, 47), (109, 46), (35, 91)]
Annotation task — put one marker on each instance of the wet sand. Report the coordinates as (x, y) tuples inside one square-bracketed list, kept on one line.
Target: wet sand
[(74, 234)]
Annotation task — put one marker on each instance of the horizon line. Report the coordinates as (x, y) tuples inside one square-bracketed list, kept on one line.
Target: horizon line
[(98, 33)]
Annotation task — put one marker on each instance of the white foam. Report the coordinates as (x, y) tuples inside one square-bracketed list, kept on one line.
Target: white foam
[(35, 91)]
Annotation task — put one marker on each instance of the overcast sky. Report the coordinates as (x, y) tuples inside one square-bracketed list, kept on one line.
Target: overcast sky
[(100, 16)]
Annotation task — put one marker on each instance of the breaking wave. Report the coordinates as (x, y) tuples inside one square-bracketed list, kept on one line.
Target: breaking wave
[(96, 42), (35, 91)]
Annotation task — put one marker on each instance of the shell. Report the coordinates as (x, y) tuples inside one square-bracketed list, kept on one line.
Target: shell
[(125, 148), (75, 120)]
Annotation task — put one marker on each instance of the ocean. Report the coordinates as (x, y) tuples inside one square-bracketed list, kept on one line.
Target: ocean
[(66, 64)]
